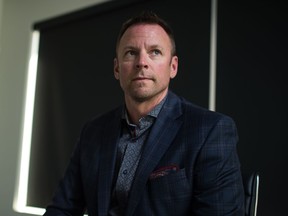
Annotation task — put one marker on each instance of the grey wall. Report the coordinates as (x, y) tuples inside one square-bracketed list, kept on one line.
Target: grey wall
[(16, 19)]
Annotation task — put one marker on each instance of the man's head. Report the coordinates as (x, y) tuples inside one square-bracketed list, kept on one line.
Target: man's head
[(145, 58)]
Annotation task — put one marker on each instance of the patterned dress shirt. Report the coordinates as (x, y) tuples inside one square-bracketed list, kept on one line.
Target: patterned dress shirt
[(129, 152)]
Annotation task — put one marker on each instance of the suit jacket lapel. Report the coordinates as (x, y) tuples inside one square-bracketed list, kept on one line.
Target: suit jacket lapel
[(107, 163), (161, 136)]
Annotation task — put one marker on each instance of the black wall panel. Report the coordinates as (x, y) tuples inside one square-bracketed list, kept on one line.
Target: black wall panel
[(75, 76), (252, 88)]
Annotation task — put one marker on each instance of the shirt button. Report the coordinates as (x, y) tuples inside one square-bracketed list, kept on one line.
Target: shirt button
[(125, 172)]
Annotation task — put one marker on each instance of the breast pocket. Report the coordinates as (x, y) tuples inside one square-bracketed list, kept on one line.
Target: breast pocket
[(174, 186)]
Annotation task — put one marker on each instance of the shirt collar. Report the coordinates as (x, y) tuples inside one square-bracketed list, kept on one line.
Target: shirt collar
[(153, 113)]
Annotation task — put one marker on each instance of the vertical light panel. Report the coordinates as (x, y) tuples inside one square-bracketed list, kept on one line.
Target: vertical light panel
[(213, 55), (20, 197)]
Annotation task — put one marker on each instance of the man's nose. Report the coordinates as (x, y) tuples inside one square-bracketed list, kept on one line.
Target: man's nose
[(142, 61)]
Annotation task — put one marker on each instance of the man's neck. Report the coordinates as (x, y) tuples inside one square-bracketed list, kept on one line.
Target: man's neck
[(136, 109)]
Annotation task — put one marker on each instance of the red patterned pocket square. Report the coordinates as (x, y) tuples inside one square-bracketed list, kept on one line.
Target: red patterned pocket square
[(163, 171)]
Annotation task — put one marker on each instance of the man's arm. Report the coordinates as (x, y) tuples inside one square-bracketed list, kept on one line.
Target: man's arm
[(218, 181)]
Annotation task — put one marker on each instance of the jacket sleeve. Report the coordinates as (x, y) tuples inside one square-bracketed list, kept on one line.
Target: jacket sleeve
[(218, 187)]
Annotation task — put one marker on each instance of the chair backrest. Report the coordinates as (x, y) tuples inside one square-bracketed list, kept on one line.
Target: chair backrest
[(251, 187)]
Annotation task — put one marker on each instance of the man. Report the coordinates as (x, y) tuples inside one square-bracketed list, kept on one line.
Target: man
[(158, 154)]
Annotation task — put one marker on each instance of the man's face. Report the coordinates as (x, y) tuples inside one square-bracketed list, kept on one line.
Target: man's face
[(144, 65)]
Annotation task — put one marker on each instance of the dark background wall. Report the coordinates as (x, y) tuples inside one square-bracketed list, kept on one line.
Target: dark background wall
[(252, 87), (75, 82)]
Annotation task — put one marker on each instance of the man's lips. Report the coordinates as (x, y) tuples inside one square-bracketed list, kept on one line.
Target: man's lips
[(141, 78)]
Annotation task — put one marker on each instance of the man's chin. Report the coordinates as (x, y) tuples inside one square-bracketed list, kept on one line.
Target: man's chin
[(142, 96)]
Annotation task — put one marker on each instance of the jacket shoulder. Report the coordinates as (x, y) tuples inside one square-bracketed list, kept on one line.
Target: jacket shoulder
[(198, 113)]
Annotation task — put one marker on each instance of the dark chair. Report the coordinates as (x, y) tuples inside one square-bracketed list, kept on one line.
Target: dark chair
[(251, 187)]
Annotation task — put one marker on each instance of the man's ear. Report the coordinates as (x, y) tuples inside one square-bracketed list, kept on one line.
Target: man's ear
[(173, 67), (116, 69)]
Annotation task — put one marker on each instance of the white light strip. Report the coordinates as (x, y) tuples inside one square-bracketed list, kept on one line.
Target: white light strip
[(20, 197), (32, 210), (256, 195), (213, 54)]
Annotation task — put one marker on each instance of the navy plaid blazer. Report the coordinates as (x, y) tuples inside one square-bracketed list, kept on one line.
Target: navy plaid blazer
[(189, 166)]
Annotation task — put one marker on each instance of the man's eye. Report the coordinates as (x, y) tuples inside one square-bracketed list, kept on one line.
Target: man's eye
[(131, 53), (156, 52)]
